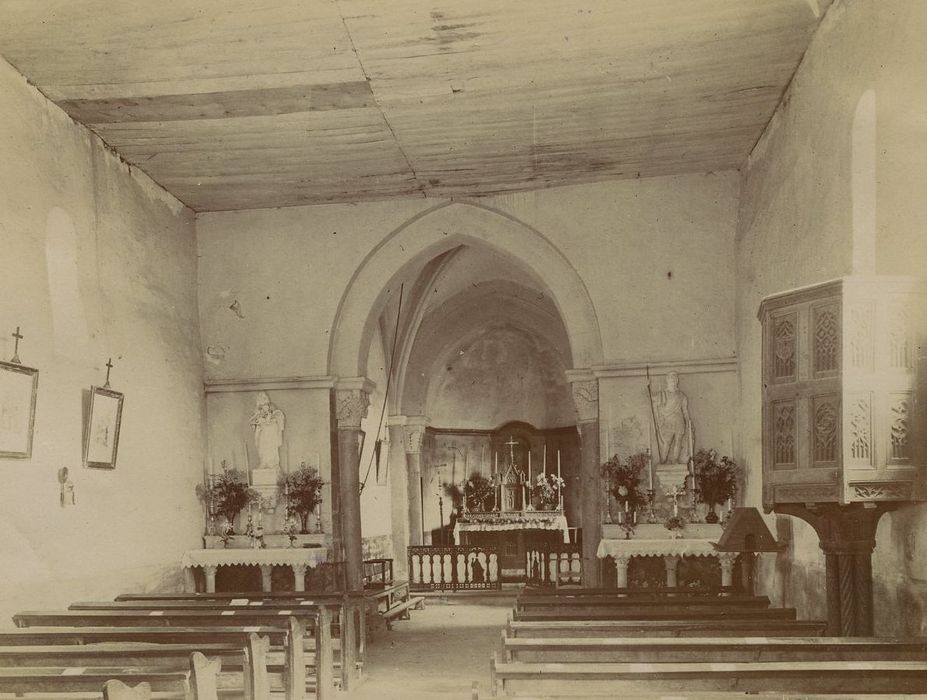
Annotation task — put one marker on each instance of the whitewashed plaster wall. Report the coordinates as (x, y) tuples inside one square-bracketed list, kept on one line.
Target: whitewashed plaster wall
[(835, 186), (98, 262)]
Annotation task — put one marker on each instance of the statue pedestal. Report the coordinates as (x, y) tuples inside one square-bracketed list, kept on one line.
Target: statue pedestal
[(264, 481), (670, 476)]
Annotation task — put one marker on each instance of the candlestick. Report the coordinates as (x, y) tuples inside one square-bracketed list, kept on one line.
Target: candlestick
[(496, 471), (649, 469)]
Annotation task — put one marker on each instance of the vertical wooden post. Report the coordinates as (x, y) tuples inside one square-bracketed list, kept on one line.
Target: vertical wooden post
[(295, 661), (324, 656), (348, 645)]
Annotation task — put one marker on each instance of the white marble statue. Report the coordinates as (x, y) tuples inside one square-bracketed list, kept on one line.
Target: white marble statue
[(674, 428), (268, 423)]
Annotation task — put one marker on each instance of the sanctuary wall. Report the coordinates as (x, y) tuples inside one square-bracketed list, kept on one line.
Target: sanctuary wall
[(98, 262)]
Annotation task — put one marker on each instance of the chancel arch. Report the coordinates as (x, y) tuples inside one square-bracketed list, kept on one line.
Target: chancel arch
[(493, 325)]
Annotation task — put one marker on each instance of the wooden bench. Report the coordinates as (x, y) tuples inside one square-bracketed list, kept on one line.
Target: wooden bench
[(241, 618), (196, 678), (342, 605), (602, 602), (665, 612), (711, 649), (665, 628), (608, 679), (401, 610), (85, 647)]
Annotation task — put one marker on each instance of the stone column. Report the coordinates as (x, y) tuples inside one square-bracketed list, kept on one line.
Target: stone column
[(586, 402), (726, 559), (621, 571), (299, 577), (671, 562), (413, 438), (266, 580), (210, 572), (352, 398)]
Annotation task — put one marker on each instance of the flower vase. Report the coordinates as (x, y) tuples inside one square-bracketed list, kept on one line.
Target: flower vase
[(674, 534), (304, 523), (711, 516)]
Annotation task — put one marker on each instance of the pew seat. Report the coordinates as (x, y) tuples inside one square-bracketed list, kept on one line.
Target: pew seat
[(712, 649), (606, 679), (665, 628)]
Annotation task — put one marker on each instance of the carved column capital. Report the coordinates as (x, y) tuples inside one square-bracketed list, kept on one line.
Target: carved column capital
[(585, 389), (352, 399), (413, 431)]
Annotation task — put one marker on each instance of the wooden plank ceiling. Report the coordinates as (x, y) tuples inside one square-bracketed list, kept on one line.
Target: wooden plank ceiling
[(236, 104)]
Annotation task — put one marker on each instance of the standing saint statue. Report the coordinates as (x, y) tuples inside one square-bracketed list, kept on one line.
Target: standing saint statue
[(268, 423), (671, 416)]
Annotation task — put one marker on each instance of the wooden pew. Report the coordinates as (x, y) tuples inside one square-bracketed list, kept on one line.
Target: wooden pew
[(666, 612), (248, 609), (665, 628), (117, 690), (711, 649), (529, 604), (609, 679), (95, 646)]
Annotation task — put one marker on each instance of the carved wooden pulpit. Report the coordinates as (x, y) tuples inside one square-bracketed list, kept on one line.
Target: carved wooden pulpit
[(844, 370)]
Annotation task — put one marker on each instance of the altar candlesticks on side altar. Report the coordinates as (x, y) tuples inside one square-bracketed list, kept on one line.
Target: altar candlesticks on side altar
[(559, 480)]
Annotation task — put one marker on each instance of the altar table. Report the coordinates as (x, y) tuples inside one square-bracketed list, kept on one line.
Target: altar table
[(211, 559), (672, 550), (524, 520)]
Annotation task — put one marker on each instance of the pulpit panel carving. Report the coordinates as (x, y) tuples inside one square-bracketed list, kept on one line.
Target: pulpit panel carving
[(825, 433), (784, 434), (898, 416), (860, 425), (860, 336), (826, 339), (784, 348), (843, 375)]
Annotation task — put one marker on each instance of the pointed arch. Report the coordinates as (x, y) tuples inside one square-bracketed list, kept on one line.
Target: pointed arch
[(437, 231)]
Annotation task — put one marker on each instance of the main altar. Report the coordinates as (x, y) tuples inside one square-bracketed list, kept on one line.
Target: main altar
[(523, 513)]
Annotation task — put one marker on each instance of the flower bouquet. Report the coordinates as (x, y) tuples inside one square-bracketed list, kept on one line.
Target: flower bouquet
[(546, 491), (477, 492), (228, 494), (624, 480), (715, 480), (302, 490)]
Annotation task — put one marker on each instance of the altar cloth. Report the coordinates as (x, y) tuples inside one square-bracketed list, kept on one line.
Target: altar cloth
[(284, 556), (210, 560), (499, 522)]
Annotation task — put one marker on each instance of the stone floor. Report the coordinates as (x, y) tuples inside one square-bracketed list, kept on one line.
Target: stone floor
[(436, 654)]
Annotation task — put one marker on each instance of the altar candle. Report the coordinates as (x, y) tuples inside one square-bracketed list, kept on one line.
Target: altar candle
[(496, 470), (650, 470), (634, 518), (529, 464)]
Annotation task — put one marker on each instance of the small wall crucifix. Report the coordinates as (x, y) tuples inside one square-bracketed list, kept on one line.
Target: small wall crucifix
[(109, 367), (17, 336)]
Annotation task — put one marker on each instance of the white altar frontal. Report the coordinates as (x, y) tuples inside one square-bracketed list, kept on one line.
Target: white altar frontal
[(654, 540), (298, 559), (502, 521)]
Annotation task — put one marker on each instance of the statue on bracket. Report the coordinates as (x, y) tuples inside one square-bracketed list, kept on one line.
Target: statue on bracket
[(672, 423), (268, 423)]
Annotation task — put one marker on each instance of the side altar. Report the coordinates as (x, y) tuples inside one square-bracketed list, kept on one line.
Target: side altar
[(262, 516)]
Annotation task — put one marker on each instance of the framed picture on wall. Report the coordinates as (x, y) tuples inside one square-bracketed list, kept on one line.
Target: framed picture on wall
[(101, 435), (18, 390)]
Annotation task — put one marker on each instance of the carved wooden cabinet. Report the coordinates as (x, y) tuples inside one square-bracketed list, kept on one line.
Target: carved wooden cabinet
[(844, 392)]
